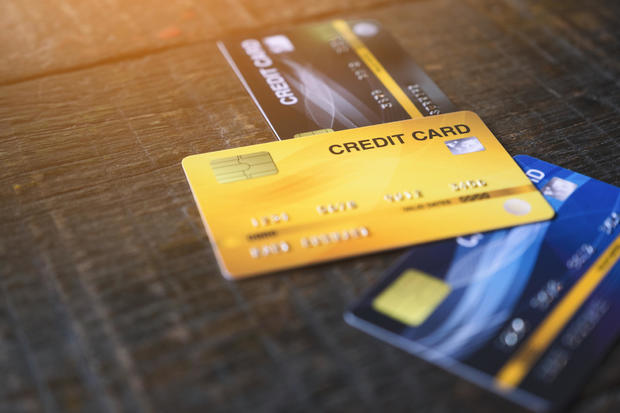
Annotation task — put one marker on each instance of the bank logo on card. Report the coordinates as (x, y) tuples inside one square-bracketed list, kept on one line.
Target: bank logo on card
[(278, 44), (559, 188), (365, 29), (464, 145)]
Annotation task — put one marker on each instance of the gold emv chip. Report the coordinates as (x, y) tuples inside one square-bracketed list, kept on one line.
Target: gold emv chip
[(312, 133), (242, 167), (412, 298)]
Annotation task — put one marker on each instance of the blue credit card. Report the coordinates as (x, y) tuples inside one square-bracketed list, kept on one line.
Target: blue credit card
[(528, 311)]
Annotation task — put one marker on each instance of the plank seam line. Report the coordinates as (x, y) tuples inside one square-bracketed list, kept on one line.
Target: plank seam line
[(102, 62), (144, 52)]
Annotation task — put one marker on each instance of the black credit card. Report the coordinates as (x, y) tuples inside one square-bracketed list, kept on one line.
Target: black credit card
[(331, 76)]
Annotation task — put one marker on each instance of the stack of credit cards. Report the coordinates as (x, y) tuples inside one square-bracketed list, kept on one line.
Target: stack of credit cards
[(511, 299)]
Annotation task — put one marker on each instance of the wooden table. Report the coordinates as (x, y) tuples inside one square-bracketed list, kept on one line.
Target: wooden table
[(111, 297)]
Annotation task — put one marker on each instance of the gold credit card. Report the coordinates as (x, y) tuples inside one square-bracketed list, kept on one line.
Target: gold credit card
[(285, 204)]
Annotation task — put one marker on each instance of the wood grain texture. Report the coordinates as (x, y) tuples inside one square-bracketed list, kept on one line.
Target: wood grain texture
[(111, 297), (44, 38)]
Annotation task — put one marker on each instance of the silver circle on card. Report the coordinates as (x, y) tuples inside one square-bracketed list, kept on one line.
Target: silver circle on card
[(517, 207)]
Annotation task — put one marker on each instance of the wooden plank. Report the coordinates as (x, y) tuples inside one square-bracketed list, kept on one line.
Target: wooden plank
[(41, 38), (111, 297)]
